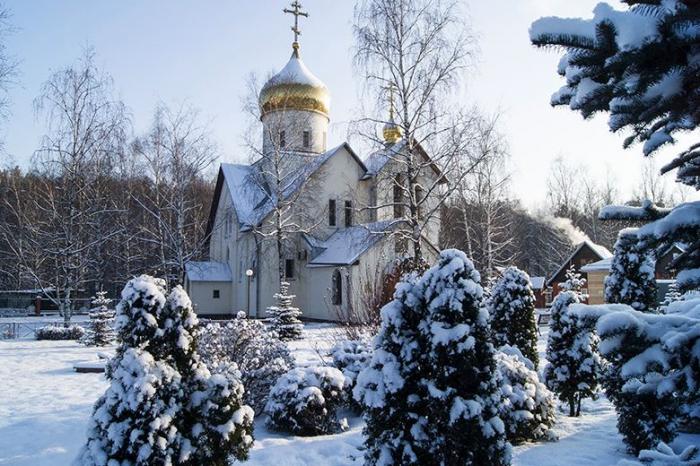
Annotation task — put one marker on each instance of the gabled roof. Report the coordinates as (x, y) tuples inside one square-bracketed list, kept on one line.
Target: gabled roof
[(208, 272), (346, 245), (600, 266), (252, 200), (378, 159), (537, 283), (599, 250)]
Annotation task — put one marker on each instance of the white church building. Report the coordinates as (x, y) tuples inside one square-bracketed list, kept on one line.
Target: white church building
[(337, 211)]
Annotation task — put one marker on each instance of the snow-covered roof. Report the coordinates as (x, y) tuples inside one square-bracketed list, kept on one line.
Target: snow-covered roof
[(250, 199), (378, 159), (601, 251), (295, 72), (600, 266), (346, 245), (537, 283), (208, 272)]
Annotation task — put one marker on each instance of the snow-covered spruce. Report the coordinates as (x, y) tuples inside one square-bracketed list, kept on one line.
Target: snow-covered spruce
[(512, 312), (527, 406), (431, 391), (390, 388), (99, 332), (631, 280), (672, 295), (162, 405), (304, 401), (574, 363), (350, 357), (58, 332), (248, 346), (284, 317), (574, 283), (653, 374)]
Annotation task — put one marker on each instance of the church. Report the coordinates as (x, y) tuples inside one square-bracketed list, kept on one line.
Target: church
[(323, 219)]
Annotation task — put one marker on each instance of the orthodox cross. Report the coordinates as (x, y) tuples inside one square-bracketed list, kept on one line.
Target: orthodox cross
[(296, 12), (390, 87)]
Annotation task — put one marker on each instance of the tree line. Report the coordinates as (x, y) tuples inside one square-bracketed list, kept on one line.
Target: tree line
[(99, 203)]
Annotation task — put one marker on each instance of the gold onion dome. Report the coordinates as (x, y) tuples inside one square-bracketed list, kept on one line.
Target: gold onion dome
[(392, 132), (294, 88)]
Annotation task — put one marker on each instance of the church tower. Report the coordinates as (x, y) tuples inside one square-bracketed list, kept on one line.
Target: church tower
[(294, 104)]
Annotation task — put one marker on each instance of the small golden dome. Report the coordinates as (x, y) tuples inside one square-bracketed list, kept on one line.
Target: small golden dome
[(392, 132), (294, 88)]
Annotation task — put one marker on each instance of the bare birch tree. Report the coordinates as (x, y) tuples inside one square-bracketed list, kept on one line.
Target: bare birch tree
[(420, 50), (177, 154), (86, 127)]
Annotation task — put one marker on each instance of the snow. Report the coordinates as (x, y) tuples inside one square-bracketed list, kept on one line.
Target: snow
[(633, 30), (208, 272), (346, 245), (600, 266), (647, 211), (46, 405), (537, 282), (294, 72)]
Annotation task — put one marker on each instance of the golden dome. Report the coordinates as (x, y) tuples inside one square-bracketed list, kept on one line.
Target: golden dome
[(392, 132), (294, 88)]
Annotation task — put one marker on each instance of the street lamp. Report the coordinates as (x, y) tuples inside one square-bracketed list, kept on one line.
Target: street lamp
[(249, 275)]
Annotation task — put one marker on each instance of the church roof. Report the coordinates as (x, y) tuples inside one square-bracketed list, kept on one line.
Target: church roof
[(208, 271), (377, 160), (252, 200), (346, 245)]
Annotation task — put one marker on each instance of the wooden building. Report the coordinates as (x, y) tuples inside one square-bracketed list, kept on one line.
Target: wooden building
[(585, 253)]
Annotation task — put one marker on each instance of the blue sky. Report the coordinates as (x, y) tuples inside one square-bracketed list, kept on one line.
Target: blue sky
[(201, 52)]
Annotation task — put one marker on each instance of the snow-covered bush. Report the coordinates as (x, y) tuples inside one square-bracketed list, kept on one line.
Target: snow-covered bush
[(284, 317), (672, 295), (512, 312), (58, 332), (162, 405), (99, 332), (574, 362), (304, 401), (527, 406), (663, 455), (248, 346), (431, 391), (632, 274), (574, 283), (350, 357)]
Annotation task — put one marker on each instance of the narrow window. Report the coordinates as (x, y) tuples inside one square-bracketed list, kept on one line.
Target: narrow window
[(307, 139), (331, 212), (216, 294), (348, 214), (419, 201), (398, 197), (289, 268), (373, 204), (337, 288), (283, 139)]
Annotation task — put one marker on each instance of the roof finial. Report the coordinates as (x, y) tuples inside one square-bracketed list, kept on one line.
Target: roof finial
[(296, 11), (392, 131)]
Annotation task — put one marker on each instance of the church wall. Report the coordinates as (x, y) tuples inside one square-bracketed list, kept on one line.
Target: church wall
[(294, 123)]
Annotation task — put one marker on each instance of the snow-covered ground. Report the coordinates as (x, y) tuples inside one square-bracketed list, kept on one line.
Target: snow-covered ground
[(44, 406)]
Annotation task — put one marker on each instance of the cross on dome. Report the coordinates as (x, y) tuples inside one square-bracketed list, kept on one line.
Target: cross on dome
[(296, 11)]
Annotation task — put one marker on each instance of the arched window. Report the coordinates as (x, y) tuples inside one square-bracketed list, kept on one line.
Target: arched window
[(337, 288)]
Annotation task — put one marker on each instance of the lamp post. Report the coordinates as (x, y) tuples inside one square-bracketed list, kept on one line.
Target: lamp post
[(249, 276)]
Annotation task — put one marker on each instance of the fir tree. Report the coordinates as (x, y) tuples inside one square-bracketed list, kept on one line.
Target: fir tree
[(631, 280), (512, 312), (431, 390), (100, 332), (463, 381), (574, 363), (285, 317), (134, 421), (647, 82), (162, 405), (574, 283), (390, 388), (672, 295)]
